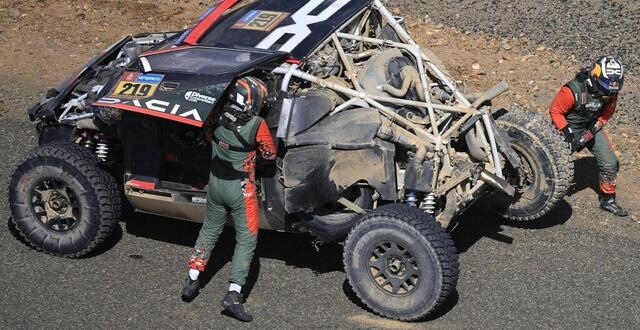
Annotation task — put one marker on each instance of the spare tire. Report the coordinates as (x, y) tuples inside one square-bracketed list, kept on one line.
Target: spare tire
[(62, 201), (546, 173)]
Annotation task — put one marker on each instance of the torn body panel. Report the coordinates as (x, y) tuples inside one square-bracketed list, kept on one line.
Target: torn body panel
[(336, 153)]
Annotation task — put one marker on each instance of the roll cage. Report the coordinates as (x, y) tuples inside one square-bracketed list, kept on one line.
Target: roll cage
[(431, 138)]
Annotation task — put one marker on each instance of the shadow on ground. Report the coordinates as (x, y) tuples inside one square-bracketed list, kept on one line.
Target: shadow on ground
[(108, 244), (298, 250), (294, 249), (479, 222), (445, 308), (586, 176)]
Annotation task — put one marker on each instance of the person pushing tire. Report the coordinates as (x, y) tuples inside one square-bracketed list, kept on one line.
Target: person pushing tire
[(237, 136), (581, 110)]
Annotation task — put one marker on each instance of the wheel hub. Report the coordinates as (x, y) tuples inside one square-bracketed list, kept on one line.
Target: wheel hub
[(524, 179), (55, 205), (58, 202), (396, 267), (393, 269), (526, 172)]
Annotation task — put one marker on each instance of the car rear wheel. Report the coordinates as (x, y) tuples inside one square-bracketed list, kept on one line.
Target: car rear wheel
[(547, 168)]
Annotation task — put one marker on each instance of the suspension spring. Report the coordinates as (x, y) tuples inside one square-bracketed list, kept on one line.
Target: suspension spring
[(429, 204), (411, 199), (102, 151)]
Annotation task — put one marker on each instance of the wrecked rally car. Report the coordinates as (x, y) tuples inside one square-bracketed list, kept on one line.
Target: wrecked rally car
[(379, 148)]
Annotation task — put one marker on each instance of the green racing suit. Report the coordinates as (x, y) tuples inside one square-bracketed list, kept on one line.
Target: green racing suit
[(232, 190)]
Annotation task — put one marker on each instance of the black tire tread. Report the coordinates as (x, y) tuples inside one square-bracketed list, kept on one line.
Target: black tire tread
[(555, 147), (438, 238), (103, 183)]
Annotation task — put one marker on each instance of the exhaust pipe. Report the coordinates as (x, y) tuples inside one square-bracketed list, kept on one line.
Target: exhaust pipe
[(498, 183)]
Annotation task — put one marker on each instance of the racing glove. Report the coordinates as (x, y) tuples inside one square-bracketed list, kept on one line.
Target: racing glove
[(580, 142), (569, 137)]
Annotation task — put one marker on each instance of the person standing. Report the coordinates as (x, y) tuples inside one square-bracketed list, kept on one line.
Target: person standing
[(582, 109), (238, 134)]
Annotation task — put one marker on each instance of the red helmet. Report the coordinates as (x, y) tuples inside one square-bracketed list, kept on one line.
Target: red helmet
[(247, 96)]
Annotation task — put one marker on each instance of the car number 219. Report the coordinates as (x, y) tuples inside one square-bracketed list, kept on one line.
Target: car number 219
[(135, 90)]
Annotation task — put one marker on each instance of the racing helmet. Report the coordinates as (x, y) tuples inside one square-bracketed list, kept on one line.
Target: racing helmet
[(607, 75), (247, 97)]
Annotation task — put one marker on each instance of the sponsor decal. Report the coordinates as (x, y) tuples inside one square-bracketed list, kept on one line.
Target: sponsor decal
[(150, 78), (196, 97), (300, 29), (223, 145), (154, 105), (613, 72), (198, 200), (130, 76), (260, 20), (611, 68), (594, 106), (134, 85)]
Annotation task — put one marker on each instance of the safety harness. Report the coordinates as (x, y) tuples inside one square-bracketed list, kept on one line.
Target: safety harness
[(224, 169), (587, 105), (246, 146)]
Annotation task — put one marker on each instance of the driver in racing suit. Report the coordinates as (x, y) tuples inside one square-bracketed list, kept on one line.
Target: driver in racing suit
[(581, 110), (237, 136)]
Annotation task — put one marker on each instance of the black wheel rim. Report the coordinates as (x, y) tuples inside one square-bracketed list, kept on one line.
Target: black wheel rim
[(393, 269), (55, 204)]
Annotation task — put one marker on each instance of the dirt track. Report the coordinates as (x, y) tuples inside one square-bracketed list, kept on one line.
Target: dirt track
[(580, 270), (580, 27), (580, 31)]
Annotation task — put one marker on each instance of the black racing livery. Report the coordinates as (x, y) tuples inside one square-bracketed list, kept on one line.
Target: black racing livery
[(378, 147)]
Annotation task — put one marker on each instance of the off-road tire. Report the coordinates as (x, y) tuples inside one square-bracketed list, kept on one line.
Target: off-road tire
[(97, 198), (422, 239), (548, 152)]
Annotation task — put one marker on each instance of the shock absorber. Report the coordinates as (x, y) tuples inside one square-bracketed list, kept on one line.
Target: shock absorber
[(429, 204), (88, 140), (411, 198), (102, 150)]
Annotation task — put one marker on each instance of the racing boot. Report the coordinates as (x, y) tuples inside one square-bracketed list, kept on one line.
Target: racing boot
[(608, 203), (232, 302), (190, 289)]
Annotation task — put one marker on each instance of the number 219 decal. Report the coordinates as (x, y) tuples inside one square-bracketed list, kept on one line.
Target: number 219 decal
[(260, 20), (136, 85), (135, 89)]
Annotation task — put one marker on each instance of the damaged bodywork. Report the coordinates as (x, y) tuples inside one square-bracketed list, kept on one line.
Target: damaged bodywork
[(372, 131)]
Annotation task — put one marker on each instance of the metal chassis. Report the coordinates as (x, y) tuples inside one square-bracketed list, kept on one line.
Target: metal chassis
[(428, 139)]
